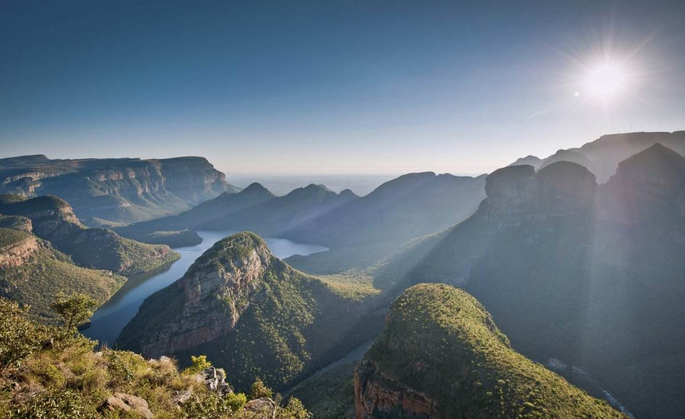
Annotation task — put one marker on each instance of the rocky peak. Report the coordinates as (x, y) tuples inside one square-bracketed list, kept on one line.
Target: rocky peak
[(212, 296), (256, 189), (528, 161), (647, 185), (565, 186), (516, 193), (230, 269)]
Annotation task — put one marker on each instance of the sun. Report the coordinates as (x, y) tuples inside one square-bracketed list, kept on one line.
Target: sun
[(606, 80)]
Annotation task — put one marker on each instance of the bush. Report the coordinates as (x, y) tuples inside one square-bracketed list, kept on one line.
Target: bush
[(259, 390), (198, 363), (18, 336)]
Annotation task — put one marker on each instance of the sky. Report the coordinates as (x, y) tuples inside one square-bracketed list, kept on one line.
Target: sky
[(333, 87)]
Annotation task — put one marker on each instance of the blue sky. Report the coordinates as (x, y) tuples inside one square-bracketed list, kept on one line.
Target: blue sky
[(332, 87)]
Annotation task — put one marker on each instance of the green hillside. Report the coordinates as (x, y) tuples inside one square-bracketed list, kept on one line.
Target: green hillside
[(253, 314), (53, 219), (45, 272), (441, 347)]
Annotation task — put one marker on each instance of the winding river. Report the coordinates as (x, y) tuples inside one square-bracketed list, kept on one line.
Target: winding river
[(111, 318)]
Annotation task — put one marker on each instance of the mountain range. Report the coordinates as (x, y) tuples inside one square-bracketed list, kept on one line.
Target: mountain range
[(500, 293)]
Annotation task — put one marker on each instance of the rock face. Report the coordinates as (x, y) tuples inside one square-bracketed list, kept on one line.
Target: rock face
[(116, 191), (216, 290), (53, 219), (18, 251), (250, 313), (517, 193), (127, 403), (441, 356)]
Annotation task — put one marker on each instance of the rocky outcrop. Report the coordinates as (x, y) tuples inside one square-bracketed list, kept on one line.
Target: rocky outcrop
[(127, 403), (16, 254), (216, 290), (648, 185), (377, 393), (518, 193), (253, 314)]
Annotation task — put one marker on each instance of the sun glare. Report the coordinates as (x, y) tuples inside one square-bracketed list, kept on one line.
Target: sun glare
[(606, 80)]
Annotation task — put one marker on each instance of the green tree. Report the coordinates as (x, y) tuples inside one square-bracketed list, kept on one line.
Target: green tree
[(74, 309), (199, 363), (259, 390), (293, 410)]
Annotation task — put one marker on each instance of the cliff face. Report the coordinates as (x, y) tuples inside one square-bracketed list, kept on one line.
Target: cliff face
[(441, 356), (18, 250), (517, 193), (116, 191), (250, 313), (216, 291), (53, 219)]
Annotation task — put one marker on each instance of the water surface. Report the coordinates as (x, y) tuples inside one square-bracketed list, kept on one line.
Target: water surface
[(111, 318)]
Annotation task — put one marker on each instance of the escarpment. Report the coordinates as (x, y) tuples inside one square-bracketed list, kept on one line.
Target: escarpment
[(114, 192)]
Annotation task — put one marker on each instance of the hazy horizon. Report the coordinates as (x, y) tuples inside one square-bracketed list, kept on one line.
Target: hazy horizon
[(345, 88)]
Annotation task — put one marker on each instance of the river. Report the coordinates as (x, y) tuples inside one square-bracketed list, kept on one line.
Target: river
[(111, 318)]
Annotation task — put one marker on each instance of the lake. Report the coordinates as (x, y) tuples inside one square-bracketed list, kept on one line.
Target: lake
[(111, 318)]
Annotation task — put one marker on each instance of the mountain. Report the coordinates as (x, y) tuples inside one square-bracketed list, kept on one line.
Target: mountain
[(528, 161), (110, 192), (252, 314), (254, 209), (585, 275), (603, 155), (359, 231), (32, 272), (410, 206), (54, 220), (442, 356)]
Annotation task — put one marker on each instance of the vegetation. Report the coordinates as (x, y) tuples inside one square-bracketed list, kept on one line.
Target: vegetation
[(329, 395), (46, 373), (298, 322), (9, 237), (48, 272), (441, 342), (74, 309), (54, 220)]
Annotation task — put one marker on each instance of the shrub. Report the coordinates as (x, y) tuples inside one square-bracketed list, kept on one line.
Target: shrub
[(18, 336)]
